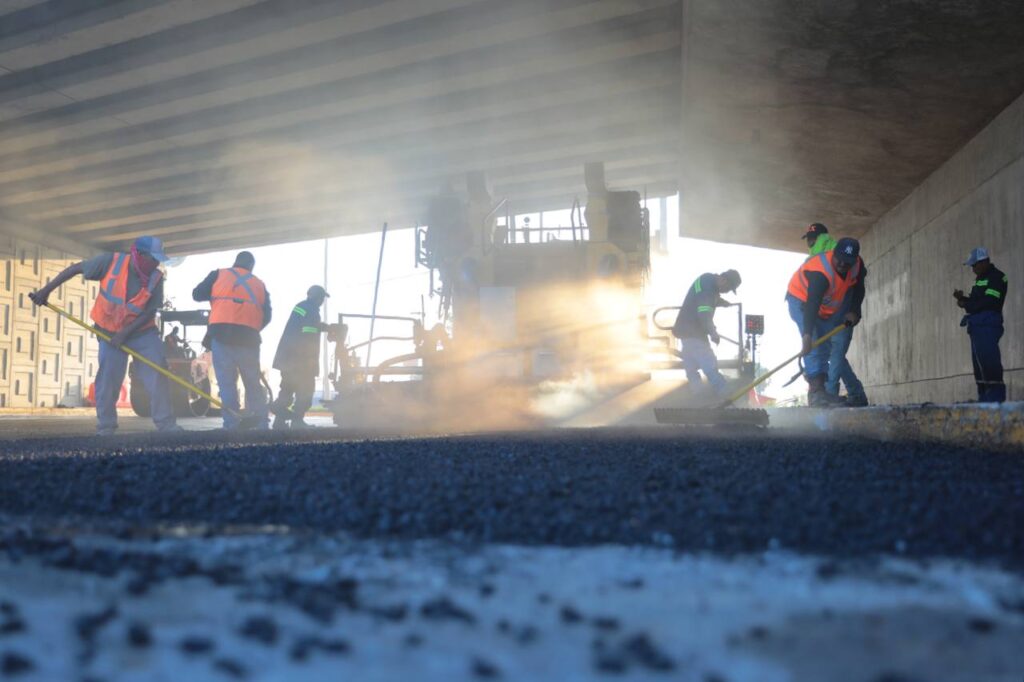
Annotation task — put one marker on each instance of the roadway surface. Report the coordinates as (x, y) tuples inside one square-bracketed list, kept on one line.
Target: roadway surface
[(627, 554), (688, 489), (82, 423)]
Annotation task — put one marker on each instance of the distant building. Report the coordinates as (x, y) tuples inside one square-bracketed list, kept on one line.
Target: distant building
[(44, 361)]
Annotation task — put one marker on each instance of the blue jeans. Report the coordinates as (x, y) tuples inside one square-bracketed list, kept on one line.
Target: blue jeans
[(985, 330), (229, 362), (697, 355), (110, 377), (815, 362), (838, 366)]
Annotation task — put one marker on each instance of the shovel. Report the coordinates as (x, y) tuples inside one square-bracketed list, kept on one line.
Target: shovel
[(244, 421)]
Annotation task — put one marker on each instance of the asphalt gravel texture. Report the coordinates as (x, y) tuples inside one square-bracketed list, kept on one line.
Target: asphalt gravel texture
[(692, 490)]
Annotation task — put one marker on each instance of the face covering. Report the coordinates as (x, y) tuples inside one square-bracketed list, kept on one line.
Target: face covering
[(144, 267)]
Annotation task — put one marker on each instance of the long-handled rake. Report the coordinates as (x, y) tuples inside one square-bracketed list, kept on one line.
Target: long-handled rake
[(243, 419), (719, 414)]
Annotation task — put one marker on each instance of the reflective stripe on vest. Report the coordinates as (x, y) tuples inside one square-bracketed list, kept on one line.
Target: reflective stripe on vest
[(237, 297), (241, 280), (111, 311), (310, 330)]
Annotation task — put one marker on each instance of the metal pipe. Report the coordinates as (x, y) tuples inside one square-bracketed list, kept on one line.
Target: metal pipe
[(363, 316), (325, 386), (376, 290), (739, 336), (491, 214)]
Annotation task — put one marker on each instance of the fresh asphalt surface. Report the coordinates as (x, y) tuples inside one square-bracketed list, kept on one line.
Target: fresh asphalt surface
[(694, 490)]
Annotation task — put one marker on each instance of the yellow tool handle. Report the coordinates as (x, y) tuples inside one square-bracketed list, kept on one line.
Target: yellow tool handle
[(176, 379), (756, 382)]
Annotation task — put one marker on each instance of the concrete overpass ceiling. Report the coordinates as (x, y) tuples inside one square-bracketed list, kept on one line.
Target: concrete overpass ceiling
[(221, 123), (833, 110), (229, 122)]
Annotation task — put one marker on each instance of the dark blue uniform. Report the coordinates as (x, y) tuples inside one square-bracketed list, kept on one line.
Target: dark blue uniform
[(298, 360), (984, 322), (694, 324)]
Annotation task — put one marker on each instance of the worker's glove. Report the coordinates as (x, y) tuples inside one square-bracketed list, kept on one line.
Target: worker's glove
[(715, 338), (40, 297), (851, 319), (118, 339), (958, 294), (806, 347)]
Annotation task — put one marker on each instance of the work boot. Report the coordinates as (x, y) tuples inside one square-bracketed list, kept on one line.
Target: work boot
[(280, 423), (817, 396), (857, 400)]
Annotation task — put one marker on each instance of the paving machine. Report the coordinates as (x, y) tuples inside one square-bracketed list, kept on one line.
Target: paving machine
[(522, 308)]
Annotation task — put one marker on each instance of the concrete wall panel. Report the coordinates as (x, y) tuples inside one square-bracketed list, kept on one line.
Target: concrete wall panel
[(42, 362), (910, 347)]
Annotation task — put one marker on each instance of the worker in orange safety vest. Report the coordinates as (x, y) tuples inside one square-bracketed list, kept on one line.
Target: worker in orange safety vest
[(826, 291), (130, 293), (239, 310)]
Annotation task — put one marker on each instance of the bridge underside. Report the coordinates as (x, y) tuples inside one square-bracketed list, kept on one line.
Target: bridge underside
[(235, 123)]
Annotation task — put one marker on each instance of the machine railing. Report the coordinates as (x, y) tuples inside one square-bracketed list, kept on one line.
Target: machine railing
[(727, 363)]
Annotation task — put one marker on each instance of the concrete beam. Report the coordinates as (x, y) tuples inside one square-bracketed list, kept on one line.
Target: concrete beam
[(37, 236), (480, 115)]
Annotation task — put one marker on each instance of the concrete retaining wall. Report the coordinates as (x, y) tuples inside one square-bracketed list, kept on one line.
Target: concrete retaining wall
[(910, 347)]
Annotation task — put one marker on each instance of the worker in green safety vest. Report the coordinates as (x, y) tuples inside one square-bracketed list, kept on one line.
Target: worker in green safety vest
[(298, 360)]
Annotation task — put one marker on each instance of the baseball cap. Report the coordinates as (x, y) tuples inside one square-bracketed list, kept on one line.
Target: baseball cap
[(153, 246), (245, 260), (317, 290), (733, 278), (978, 254), (847, 250), (814, 229)]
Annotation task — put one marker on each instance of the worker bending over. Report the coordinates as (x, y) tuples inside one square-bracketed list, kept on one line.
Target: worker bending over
[(297, 359), (131, 291), (819, 241), (826, 291), (984, 322), (239, 310), (695, 325)]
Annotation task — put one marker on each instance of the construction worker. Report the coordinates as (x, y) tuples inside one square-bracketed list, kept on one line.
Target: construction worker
[(695, 326), (131, 291), (819, 241), (298, 360), (826, 291), (984, 322), (239, 310)]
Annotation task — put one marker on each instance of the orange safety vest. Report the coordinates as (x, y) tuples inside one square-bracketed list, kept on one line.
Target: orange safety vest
[(837, 286), (111, 311), (237, 298)]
